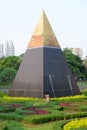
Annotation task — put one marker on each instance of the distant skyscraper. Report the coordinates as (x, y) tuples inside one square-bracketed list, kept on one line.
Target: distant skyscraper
[(78, 51), (9, 49), (1, 51)]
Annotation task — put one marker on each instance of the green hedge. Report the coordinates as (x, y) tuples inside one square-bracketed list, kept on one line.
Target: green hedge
[(38, 119), (59, 125), (3, 124), (11, 116), (14, 126)]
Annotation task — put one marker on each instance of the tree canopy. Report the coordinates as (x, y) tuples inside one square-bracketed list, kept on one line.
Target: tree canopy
[(75, 63), (8, 68)]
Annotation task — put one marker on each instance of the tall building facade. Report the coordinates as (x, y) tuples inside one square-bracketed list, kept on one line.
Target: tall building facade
[(1, 51), (78, 51), (9, 49)]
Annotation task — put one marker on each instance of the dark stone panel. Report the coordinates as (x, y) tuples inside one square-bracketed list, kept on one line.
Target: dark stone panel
[(63, 93), (58, 79), (30, 73), (62, 68), (34, 94), (50, 93), (32, 55), (53, 54), (13, 92), (47, 85), (23, 93), (50, 68)]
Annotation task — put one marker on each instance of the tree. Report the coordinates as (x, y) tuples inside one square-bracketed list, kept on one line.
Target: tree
[(7, 75), (11, 61), (75, 63), (85, 65), (8, 68)]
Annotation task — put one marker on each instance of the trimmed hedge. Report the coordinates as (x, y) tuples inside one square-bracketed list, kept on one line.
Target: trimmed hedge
[(59, 125), (11, 116), (14, 126), (38, 119)]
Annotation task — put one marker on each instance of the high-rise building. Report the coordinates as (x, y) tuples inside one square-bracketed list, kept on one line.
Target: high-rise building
[(78, 51), (9, 49), (1, 51)]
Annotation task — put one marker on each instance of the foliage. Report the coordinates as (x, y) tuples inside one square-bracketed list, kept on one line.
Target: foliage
[(11, 116), (2, 94), (69, 98), (38, 119), (14, 126), (59, 125), (3, 124), (75, 63), (7, 75), (8, 68), (11, 61), (84, 92), (41, 102), (7, 99), (24, 109), (75, 124)]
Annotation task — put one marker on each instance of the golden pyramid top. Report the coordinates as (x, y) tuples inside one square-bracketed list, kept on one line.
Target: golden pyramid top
[(43, 34)]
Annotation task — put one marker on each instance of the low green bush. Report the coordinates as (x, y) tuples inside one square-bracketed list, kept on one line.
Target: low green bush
[(14, 126), (81, 128), (5, 109), (22, 111), (69, 98), (3, 124), (11, 116), (75, 115), (38, 119), (84, 92), (2, 94), (59, 125)]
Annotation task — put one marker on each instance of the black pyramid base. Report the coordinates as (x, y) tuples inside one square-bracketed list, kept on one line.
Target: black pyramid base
[(44, 71)]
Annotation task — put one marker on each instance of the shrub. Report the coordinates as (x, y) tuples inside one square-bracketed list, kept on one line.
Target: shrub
[(3, 124), (2, 94), (11, 116), (77, 123), (59, 125), (84, 92), (75, 115), (37, 119), (14, 126), (70, 98)]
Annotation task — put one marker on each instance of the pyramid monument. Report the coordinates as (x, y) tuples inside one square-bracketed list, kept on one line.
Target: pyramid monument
[(44, 70)]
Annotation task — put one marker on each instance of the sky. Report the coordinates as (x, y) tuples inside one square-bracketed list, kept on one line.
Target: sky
[(68, 19)]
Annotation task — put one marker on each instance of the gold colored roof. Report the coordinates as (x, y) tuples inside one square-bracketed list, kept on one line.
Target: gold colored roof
[(43, 34)]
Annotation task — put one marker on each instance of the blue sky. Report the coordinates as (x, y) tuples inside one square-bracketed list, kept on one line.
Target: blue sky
[(68, 19)]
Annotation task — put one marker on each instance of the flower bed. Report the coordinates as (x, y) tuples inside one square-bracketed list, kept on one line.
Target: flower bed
[(30, 110), (76, 124), (36, 110)]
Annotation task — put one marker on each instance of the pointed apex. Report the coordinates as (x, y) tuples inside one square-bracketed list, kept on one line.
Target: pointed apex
[(43, 12), (43, 34)]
